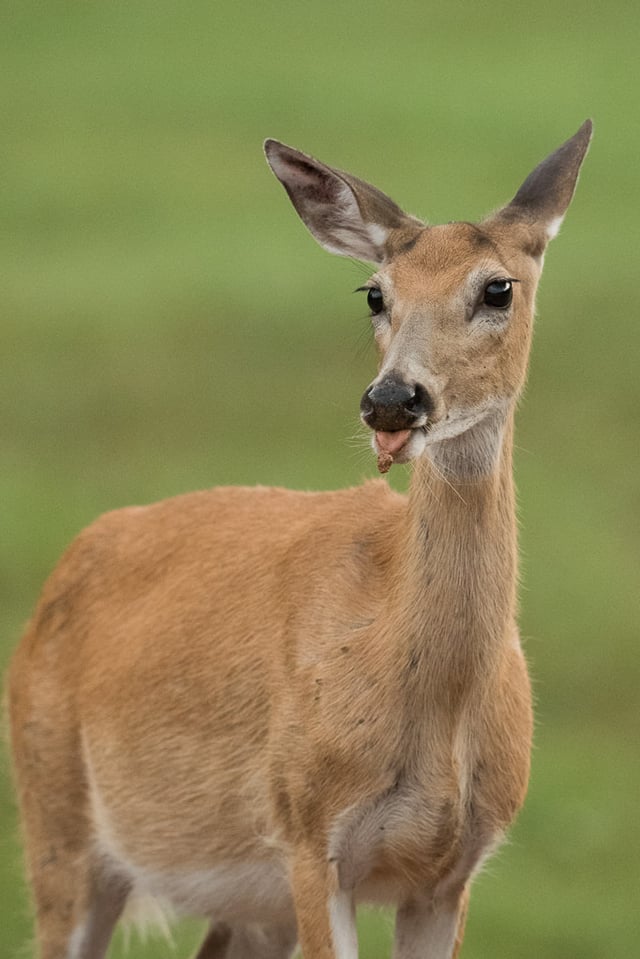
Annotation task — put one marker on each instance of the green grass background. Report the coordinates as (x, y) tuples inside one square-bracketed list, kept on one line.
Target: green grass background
[(167, 324)]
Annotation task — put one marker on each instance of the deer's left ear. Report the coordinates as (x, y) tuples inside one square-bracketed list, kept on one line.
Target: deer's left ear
[(543, 198), (346, 215)]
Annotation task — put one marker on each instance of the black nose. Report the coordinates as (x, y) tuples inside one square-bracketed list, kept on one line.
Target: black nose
[(393, 404)]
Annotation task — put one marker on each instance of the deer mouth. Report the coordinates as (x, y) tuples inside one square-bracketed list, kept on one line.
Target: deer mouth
[(392, 441), (398, 446)]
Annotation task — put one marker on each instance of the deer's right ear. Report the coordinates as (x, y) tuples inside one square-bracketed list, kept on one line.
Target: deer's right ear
[(346, 215)]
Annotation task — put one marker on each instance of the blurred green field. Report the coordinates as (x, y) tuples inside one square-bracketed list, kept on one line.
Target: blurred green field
[(167, 324)]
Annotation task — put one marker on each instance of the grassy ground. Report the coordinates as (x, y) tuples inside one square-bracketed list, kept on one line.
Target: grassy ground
[(157, 292)]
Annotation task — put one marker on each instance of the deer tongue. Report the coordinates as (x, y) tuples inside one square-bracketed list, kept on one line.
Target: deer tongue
[(392, 442)]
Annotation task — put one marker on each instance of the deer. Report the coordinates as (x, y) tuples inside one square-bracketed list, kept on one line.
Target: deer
[(263, 707)]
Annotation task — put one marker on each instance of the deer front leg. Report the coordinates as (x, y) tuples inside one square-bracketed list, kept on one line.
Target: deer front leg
[(431, 928), (324, 912)]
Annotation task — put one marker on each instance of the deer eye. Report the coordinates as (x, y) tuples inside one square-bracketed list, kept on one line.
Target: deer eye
[(499, 294), (375, 300)]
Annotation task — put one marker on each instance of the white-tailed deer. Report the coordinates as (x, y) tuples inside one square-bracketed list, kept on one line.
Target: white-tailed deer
[(262, 706)]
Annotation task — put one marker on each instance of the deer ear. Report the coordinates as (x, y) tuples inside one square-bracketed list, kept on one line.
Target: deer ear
[(543, 198), (346, 215)]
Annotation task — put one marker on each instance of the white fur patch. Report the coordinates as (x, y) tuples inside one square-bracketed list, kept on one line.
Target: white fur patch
[(148, 916), (377, 234), (468, 443), (233, 892), (343, 925), (553, 227), (76, 941)]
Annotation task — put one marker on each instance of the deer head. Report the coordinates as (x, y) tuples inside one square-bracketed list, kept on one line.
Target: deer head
[(451, 306)]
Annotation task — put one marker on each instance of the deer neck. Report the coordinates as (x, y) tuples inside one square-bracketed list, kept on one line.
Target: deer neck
[(458, 595)]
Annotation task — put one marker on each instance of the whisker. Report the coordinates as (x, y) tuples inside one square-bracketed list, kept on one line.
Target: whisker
[(432, 490), (360, 438), (363, 268), (363, 342), (444, 479), (523, 449)]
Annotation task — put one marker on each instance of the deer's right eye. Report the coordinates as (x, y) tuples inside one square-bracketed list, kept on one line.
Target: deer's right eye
[(375, 300)]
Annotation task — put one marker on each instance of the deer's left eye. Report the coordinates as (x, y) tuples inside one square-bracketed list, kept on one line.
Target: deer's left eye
[(499, 294)]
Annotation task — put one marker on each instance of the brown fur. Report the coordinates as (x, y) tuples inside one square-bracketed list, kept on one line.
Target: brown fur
[(329, 683)]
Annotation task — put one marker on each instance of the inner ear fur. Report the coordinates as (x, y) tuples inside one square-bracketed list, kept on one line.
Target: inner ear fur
[(346, 215)]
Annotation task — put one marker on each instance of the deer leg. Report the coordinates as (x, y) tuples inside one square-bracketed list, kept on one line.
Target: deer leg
[(325, 913), (430, 928), (76, 903), (216, 942), (90, 938), (76, 912), (251, 941)]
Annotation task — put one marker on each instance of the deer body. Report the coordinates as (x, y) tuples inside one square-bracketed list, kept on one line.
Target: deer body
[(266, 706)]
